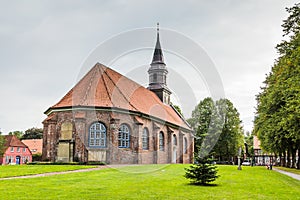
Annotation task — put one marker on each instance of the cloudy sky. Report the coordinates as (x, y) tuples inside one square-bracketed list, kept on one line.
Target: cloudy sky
[(45, 43)]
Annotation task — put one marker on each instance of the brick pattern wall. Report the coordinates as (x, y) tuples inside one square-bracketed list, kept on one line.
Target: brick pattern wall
[(82, 120)]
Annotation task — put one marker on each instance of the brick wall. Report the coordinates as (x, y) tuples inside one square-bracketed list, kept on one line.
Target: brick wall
[(82, 120)]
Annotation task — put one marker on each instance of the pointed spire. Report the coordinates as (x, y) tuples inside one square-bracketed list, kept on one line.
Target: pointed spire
[(158, 55)]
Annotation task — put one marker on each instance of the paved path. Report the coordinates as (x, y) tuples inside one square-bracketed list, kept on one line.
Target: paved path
[(295, 176), (55, 173)]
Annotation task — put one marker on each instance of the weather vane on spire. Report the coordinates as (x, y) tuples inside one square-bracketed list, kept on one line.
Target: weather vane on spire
[(157, 27)]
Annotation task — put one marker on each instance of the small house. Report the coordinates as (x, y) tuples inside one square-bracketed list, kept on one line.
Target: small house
[(15, 152)]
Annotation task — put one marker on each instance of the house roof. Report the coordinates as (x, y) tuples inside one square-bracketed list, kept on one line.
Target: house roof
[(35, 145), (104, 87), (13, 141)]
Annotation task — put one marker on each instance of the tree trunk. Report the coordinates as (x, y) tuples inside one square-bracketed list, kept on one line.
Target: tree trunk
[(228, 155), (293, 158), (298, 163), (283, 164), (288, 164)]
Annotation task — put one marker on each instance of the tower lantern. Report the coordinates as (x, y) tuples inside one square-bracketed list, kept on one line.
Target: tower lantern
[(158, 73)]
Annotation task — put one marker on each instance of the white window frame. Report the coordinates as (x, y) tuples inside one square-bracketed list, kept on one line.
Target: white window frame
[(124, 136), (97, 135)]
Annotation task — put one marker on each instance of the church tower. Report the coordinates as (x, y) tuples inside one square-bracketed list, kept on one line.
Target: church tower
[(158, 73)]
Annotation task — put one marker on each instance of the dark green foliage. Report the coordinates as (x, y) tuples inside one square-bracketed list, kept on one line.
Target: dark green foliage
[(2, 143), (218, 129), (33, 133), (177, 108), (291, 26), (18, 134), (278, 105), (203, 172), (232, 134), (36, 157), (202, 116)]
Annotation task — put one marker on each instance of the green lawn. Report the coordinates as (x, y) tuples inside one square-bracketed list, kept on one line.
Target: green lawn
[(153, 182), (23, 170), (295, 171)]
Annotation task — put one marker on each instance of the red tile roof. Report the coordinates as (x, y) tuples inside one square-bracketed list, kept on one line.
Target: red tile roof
[(35, 145), (13, 141), (104, 87)]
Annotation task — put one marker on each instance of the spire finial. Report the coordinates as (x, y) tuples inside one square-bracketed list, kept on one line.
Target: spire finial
[(158, 55)]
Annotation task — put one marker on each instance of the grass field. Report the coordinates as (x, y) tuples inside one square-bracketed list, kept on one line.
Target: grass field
[(23, 170), (153, 182)]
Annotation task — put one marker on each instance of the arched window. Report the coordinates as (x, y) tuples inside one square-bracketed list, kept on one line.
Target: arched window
[(161, 141), (174, 140), (145, 139), (124, 136), (185, 145), (97, 135)]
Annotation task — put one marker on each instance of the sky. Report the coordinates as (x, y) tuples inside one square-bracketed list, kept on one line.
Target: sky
[(45, 45)]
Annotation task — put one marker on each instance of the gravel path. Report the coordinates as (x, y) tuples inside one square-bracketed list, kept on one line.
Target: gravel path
[(55, 173), (295, 176)]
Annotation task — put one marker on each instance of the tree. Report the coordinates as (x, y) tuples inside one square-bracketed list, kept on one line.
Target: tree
[(218, 129), (203, 172), (18, 134), (33, 133), (201, 120), (177, 108), (232, 134), (278, 104), (2, 143)]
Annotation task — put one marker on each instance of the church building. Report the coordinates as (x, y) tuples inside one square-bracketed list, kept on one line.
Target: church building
[(106, 117)]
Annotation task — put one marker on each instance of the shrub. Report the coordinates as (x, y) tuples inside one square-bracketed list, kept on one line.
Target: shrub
[(36, 157), (203, 172)]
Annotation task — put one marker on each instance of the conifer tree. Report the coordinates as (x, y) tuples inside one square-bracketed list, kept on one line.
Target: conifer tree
[(203, 172)]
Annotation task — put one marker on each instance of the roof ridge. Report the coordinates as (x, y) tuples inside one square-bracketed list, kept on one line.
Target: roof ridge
[(12, 140), (106, 88), (120, 91)]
